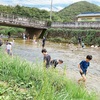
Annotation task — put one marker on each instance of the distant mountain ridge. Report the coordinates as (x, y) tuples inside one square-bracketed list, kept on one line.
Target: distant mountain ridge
[(69, 13)]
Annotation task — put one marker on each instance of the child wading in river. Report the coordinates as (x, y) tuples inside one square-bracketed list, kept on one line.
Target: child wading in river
[(83, 68), (46, 59), (55, 62)]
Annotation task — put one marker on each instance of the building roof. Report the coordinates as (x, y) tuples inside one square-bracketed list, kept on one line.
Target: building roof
[(88, 14)]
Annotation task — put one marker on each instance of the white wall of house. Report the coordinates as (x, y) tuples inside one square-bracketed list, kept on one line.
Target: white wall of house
[(88, 19)]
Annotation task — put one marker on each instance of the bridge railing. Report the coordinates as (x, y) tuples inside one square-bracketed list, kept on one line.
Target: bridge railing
[(12, 19), (76, 25)]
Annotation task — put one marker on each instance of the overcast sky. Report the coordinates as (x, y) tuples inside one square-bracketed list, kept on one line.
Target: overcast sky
[(44, 4)]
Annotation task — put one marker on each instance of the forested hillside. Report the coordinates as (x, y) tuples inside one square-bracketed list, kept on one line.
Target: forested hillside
[(28, 12), (65, 15), (69, 13)]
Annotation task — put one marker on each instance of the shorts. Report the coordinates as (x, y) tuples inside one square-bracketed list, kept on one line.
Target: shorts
[(83, 73), (9, 52)]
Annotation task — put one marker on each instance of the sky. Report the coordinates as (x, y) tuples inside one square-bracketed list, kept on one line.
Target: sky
[(45, 4)]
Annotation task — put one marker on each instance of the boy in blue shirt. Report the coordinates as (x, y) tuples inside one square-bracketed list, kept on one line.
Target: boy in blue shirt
[(83, 68)]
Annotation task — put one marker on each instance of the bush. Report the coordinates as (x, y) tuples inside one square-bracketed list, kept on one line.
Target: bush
[(49, 23), (36, 82), (58, 39), (74, 40), (98, 41), (89, 36), (13, 31)]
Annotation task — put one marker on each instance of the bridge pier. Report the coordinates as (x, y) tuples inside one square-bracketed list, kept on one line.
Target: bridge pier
[(33, 31)]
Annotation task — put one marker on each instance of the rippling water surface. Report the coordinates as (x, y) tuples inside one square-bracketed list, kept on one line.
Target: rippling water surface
[(69, 53)]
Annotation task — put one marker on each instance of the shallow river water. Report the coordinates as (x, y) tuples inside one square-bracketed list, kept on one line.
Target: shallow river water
[(69, 53)]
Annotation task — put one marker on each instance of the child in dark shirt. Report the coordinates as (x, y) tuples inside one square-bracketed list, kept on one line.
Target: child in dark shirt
[(47, 58), (55, 62), (43, 42), (83, 68)]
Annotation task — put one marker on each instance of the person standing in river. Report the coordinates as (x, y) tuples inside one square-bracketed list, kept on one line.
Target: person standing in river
[(47, 58), (9, 34), (79, 40), (7, 42), (9, 49), (43, 42), (34, 38), (83, 68)]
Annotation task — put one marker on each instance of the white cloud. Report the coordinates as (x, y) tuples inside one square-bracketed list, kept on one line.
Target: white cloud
[(45, 8), (4, 3), (59, 8), (43, 2), (46, 3), (54, 9)]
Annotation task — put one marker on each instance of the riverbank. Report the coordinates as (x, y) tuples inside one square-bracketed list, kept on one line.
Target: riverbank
[(63, 35), (22, 80)]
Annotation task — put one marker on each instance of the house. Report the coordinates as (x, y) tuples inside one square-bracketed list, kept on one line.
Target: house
[(88, 16)]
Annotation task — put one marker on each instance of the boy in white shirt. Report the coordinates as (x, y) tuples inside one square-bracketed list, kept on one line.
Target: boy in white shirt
[(9, 48)]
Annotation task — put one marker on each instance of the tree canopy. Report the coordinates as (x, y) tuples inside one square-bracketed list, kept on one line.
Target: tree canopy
[(67, 14)]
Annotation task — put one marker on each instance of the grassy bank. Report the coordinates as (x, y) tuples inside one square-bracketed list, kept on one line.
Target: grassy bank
[(88, 36), (20, 80)]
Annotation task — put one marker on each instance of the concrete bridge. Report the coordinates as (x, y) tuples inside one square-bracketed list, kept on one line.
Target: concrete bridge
[(36, 27), (32, 26), (90, 25)]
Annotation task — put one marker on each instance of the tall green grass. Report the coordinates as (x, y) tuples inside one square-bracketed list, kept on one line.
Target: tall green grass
[(36, 82)]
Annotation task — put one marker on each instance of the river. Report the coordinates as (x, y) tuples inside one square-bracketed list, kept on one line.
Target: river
[(69, 53)]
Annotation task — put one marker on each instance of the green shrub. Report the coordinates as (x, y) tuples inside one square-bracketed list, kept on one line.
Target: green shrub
[(89, 36), (74, 40), (14, 31), (58, 39), (37, 82), (49, 23)]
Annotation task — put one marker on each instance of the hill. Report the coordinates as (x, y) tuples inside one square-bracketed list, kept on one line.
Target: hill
[(34, 13), (69, 13), (66, 15)]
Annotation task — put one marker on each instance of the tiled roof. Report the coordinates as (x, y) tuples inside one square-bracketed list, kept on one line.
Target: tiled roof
[(89, 14)]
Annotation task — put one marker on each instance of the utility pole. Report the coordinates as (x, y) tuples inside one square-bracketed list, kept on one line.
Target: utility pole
[(51, 10)]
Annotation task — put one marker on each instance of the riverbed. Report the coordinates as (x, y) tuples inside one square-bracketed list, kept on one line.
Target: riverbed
[(71, 55)]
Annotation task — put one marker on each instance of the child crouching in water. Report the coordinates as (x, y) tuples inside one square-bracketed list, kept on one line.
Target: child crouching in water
[(83, 68), (55, 62)]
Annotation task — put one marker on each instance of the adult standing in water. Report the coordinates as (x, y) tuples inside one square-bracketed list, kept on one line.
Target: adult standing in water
[(34, 38), (79, 40), (43, 42), (9, 35)]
